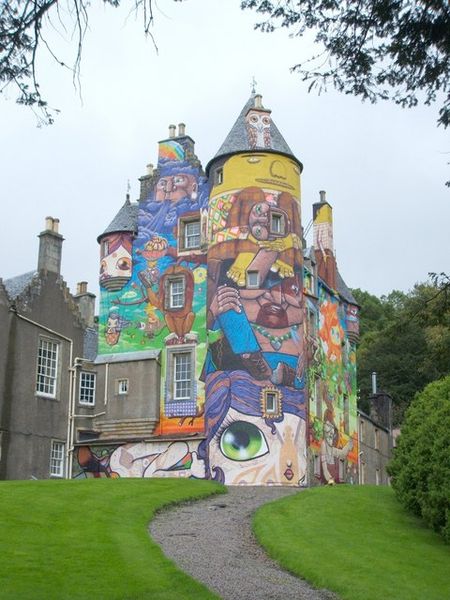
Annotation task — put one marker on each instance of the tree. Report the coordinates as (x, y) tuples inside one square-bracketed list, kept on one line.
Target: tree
[(23, 26), (376, 49), (405, 338), (420, 468)]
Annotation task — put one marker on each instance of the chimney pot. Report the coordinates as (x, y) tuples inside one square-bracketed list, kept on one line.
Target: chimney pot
[(172, 131), (181, 129), (48, 223), (150, 169), (82, 287), (258, 101), (323, 195), (56, 225)]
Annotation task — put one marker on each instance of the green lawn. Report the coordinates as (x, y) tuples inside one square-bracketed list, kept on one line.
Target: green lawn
[(356, 541), (88, 540)]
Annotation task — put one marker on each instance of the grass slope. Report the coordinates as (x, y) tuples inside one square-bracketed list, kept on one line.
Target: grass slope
[(356, 541), (70, 540)]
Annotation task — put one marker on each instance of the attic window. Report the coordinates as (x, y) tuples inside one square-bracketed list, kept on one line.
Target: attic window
[(218, 176), (104, 248), (277, 224), (271, 403)]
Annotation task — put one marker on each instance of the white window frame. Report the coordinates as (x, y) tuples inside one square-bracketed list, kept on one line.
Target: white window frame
[(86, 392), (279, 218), (177, 298), (182, 375), (342, 469), (316, 463), (104, 248), (218, 176), (47, 368), (377, 477), (191, 240), (252, 284), (376, 439), (123, 386), (57, 459)]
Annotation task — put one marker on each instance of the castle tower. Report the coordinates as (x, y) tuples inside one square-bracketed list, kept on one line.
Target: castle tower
[(255, 416)]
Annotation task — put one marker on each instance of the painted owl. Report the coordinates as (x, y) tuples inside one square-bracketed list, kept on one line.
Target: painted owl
[(258, 129)]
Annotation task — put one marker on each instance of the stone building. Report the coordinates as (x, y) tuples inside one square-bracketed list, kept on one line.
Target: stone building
[(375, 440), (46, 332), (226, 347)]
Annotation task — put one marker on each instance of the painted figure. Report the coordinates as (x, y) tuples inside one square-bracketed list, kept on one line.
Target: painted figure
[(258, 129), (247, 445), (114, 326), (116, 263), (330, 453), (174, 195)]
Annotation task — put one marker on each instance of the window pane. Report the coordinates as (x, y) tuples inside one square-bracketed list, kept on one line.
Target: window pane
[(192, 234), (87, 388), (177, 293), (182, 376), (57, 459), (47, 367)]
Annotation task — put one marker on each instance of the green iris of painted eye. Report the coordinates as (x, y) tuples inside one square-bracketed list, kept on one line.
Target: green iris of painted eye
[(243, 441)]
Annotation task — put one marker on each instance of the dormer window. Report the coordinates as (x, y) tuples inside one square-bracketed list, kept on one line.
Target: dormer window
[(218, 176)]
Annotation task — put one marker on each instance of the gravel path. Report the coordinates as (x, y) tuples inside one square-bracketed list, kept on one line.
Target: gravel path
[(212, 541)]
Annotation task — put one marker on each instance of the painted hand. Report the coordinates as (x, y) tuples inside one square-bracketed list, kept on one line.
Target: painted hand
[(226, 298)]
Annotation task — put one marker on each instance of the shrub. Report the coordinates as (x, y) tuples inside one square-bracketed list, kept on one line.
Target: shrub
[(420, 468)]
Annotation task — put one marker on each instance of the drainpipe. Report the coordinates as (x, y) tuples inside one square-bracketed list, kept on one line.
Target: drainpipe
[(70, 341)]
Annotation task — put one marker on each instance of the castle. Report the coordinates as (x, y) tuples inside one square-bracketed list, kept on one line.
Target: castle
[(226, 347)]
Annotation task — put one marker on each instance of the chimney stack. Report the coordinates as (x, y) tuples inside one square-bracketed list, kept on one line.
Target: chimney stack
[(323, 240), (86, 303), (50, 247)]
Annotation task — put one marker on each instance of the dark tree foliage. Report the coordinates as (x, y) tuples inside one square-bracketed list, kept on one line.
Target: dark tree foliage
[(420, 468), (405, 338), (376, 49), (23, 28)]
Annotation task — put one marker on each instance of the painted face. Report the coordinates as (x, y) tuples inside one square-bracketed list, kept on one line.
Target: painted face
[(249, 453), (258, 220), (116, 264), (176, 187), (328, 433), (146, 460)]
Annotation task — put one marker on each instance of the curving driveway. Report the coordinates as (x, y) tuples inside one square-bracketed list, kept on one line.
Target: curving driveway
[(212, 541)]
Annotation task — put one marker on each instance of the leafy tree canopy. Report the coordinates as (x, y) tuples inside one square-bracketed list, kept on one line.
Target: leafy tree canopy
[(376, 49), (405, 338)]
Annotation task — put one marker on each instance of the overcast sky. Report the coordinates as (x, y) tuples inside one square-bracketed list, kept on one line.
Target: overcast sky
[(383, 167)]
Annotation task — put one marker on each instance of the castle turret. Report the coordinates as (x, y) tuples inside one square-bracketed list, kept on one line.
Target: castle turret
[(116, 248), (255, 302)]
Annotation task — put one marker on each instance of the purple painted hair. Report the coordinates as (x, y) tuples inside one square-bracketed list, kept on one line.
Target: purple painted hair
[(238, 390)]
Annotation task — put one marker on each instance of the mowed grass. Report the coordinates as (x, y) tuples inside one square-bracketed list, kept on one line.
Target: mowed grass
[(70, 540), (356, 541)]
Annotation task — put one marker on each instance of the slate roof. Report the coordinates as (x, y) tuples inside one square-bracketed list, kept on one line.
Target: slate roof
[(90, 343), (343, 290), (125, 220), (16, 285), (237, 139)]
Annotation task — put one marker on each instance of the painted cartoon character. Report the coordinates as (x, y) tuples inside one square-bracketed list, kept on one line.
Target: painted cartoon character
[(116, 263), (138, 460), (174, 194), (330, 453), (246, 443), (114, 326)]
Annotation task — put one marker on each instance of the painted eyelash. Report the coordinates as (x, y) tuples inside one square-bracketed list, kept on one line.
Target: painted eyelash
[(226, 423)]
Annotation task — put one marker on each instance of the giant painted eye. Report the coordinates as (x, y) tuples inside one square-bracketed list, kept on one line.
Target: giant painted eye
[(103, 266), (243, 441), (254, 119), (266, 120), (124, 264)]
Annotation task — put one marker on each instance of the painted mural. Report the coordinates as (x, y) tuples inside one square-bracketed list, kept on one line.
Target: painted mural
[(255, 414), (153, 288), (156, 459), (332, 390)]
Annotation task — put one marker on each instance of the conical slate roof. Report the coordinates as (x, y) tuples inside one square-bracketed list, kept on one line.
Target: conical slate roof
[(238, 141), (125, 220)]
